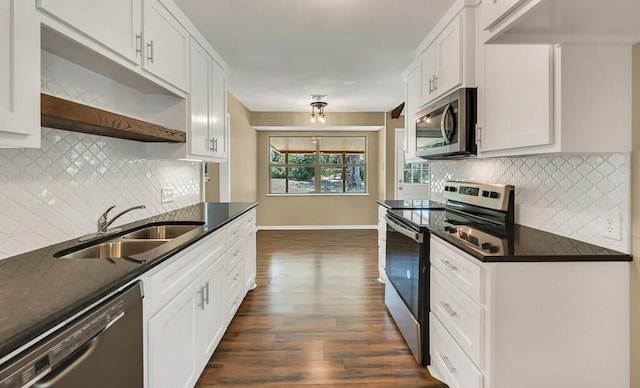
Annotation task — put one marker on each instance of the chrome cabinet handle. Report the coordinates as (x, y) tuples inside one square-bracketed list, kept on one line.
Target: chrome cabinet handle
[(210, 143), (448, 264), (447, 362), (448, 309), (215, 144), (150, 51), (430, 85), (201, 292), (138, 44), (206, 299), (435, 84)]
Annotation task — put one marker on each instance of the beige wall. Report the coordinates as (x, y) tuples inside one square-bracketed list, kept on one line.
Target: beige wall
[(301, 119), (392, 124), (244, 153), (212, 187), (635, 206), (305, 210)]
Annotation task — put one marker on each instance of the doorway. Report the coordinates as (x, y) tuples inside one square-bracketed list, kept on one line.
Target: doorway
[(411, 177)]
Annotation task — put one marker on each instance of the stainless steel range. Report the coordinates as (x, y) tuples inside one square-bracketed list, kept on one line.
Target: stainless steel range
[(478, 215)]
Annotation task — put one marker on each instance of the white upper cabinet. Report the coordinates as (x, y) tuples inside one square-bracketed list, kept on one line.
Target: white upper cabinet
[(446, 57), (146, 35), (441, 63), (412, 101), (166, 45), (535, 99), (19, 75), (516, 97), (207, 100), (561, 22), (98, 19)]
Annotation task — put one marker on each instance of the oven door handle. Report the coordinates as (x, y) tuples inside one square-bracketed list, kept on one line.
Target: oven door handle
[(417, 237)]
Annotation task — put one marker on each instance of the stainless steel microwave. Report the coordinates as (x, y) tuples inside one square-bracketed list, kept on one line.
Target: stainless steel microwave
[(446, 128)]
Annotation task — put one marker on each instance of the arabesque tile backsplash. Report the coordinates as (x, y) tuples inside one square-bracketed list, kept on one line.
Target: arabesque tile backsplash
[(567, 194)]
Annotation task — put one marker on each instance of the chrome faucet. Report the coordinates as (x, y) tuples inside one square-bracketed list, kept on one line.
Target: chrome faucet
[(103, 221)]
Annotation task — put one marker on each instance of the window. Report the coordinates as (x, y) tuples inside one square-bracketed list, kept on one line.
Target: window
[(314, 164), (417, 173)]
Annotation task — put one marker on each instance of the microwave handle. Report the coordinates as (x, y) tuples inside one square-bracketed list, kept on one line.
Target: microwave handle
[(443, 123)]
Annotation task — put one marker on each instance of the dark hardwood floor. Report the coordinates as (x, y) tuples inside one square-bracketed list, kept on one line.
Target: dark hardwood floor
[(317, 318)]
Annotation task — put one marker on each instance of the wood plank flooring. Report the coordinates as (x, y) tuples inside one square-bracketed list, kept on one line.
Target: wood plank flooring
[(317, 318)]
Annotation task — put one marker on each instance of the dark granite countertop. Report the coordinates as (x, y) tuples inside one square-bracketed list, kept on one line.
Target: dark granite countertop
[(38, 291), (522, 243)]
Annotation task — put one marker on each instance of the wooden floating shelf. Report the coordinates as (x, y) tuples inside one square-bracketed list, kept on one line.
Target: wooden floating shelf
[(71, 116)]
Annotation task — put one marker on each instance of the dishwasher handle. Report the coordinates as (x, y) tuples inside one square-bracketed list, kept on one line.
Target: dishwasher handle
[(55, 375), (412, 234)]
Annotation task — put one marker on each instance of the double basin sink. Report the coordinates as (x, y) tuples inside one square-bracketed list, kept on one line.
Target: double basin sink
[(132, 243)]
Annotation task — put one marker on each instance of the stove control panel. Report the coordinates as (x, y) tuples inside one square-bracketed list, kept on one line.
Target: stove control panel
[(492, 196), (480, 241)]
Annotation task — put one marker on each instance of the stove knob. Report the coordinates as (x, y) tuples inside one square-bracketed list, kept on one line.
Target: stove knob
[(450, 229), (485, 246), (489, 247)]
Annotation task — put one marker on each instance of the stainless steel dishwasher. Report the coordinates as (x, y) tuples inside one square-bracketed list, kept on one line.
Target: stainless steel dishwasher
[(102, 348)]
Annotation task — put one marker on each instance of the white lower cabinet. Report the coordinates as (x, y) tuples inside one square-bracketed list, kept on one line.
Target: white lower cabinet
[(382, 243), (191, 299), (527, 324)]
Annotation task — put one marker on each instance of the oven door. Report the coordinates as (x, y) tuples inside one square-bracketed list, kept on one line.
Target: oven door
[(404, 246), (407, 287)]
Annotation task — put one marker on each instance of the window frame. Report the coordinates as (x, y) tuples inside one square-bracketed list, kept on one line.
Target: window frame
[(318, 166)]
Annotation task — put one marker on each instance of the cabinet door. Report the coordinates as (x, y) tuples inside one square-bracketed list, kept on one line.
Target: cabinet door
[(212, 323), (218, 109), (173, 342), (166, 45), (199, 101), (428, 66), (412, 102), (113, 23), (250, 261), (449, 58), (517, 96), (19, 74)]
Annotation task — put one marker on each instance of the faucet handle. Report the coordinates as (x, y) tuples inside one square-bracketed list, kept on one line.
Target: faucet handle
[(107, 211), (102, 220)]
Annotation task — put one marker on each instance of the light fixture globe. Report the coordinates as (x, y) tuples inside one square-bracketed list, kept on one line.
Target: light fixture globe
[(318, 104)]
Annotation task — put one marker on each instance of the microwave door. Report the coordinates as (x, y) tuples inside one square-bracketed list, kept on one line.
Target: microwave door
[(428, 138)]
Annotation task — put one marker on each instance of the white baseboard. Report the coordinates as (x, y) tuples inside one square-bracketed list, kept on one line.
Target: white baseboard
[(316, 227)]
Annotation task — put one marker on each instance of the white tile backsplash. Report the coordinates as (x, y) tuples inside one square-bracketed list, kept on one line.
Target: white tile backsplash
[(564, 194), (57, 192)]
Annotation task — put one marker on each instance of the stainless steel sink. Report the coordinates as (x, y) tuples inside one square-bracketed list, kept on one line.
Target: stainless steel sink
[(164, 232), (115, 249)]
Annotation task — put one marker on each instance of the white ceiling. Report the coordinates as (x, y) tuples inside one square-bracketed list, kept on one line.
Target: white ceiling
[(283, 51)]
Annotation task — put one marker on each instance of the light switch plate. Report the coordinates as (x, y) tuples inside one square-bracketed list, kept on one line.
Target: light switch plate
[(167, 194)]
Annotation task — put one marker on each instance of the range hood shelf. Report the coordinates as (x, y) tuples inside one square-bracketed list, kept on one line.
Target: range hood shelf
[(71, 116)]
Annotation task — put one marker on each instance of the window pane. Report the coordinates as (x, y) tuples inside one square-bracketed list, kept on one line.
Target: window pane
[(416, 173), (355, 159), (300, 158), (326, 158), (331, 180), (300, 180), (354, 179), (276, 156)]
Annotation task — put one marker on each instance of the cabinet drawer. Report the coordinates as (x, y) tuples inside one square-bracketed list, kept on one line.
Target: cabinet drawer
[(235, 277), (249, 219), (461, 269), (448, 361), (462, 317), (235, 231), (233, 303), (173, 276), (236, 254)]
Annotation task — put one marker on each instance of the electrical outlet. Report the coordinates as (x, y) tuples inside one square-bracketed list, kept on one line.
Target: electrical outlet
[(167, 194), (611, 226)]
